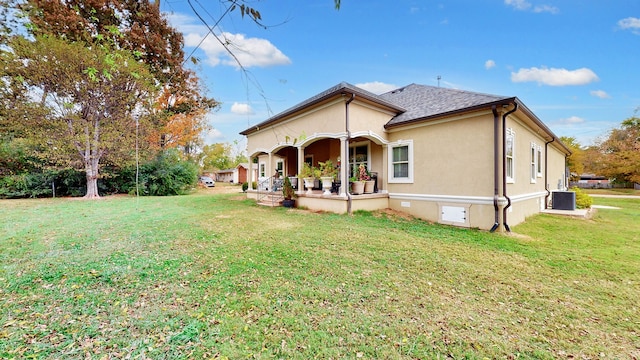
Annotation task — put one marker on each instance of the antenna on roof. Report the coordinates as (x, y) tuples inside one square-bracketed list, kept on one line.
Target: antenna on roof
[(439, 77)]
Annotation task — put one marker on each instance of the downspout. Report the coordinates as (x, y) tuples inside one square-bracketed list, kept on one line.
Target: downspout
[(346, 161), (496, 170), (546, 172), (504, 165)]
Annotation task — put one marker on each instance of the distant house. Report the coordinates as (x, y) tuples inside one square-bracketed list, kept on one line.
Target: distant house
[(237, 175), (444, 155), (593, 181)]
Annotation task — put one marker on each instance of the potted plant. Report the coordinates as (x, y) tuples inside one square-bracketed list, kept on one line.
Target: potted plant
[(308, 175), (361, 182), (327, 175), (365, 176), (357, 186), (288, 193), (294, 181)]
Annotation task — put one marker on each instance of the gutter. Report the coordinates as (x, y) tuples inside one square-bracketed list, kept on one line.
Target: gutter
[(504, 165), (346, 161), (496, 170), (546, 171)]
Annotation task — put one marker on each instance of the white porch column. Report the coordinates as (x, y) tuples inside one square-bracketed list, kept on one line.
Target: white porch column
[(300, 159), (300, 164), (344, 171), (250, 174), (382, 175), (268, 172)]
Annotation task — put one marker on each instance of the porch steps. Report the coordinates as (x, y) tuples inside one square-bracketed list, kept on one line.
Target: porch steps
[(271, 199)]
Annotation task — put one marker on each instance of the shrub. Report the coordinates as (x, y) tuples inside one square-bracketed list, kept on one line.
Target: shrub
[(583, 200), (28, 185), (168, 174), (245, 186)]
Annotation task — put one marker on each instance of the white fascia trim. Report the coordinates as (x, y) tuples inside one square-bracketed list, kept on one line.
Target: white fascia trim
[(477, 200), (456, 199), (524, 197)]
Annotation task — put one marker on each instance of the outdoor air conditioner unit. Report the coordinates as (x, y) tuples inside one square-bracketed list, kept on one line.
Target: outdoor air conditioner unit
[(563, 200)]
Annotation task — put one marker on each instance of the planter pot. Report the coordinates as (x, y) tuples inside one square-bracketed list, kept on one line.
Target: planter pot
[(368, 186), (290, 203), (326, 184), (308, 183), (357, 187), (294, 181)]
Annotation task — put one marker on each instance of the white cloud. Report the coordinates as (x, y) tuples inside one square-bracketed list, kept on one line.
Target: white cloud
[(489, 64), (600, 93), (518, 4), (249, 51), (572, 120), (524, 5), (241, 109), (546, 8), (377, 87), (213, 136), (555, 77), (630, 23)]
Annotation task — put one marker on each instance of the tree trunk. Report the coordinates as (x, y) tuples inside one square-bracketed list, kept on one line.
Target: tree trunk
[(91, 168)]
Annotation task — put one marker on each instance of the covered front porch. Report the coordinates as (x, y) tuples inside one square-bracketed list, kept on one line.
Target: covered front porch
[(269, 167)]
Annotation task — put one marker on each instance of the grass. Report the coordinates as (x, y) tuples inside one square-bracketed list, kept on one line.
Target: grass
[(215, 276), (613, 191)]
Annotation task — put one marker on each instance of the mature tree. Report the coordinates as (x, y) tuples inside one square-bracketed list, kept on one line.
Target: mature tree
[(593, 160), (185, 119), (575, 161), (94, 65), (621, 152), (216, 157), (133, 25), (93, 97)]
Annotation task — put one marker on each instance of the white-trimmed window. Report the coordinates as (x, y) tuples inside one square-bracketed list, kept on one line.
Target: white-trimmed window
[(280, 167), (534, 162), (401, 162), (263, 170), (539, 161), (510, 154)]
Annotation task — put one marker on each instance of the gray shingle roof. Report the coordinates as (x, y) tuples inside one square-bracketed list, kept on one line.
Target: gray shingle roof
[(421, 101)]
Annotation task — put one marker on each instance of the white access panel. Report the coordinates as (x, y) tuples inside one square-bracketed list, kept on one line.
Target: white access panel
[(455, 214)]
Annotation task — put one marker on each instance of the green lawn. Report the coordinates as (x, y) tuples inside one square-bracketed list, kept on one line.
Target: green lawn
[(215, 276)]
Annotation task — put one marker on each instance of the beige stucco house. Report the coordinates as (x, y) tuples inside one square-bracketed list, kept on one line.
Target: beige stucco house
[(450, 156)]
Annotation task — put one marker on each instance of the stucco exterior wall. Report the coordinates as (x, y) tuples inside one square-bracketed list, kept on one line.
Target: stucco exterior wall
[(556, 177), (454, 157), (453, 164), (325, 120)]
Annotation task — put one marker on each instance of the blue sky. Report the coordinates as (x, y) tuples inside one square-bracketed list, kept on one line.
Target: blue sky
[(575, 64)]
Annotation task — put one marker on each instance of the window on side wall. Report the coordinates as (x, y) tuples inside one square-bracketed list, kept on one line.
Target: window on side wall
[(534, 162), (539, 161), (510, 155), (401, 162)]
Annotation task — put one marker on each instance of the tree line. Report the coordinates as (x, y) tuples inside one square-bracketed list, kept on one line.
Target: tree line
[(96, 89), (616, 156)]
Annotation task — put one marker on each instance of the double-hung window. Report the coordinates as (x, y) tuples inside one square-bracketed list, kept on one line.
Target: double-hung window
[(534, 162), (539, 161), (510, 155), (401, 162)]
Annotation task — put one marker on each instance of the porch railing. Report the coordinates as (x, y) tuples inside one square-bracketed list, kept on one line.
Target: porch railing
[(271, 187)]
